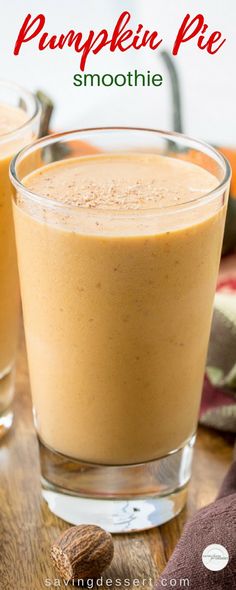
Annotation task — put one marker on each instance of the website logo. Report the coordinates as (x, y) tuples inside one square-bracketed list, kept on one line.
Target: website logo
[(215, 557)]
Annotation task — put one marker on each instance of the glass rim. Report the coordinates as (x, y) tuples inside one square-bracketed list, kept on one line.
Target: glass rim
[(51, 139), (30, 96)]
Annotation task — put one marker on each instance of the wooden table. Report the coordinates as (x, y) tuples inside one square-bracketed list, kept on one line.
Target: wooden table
[(27, 528)]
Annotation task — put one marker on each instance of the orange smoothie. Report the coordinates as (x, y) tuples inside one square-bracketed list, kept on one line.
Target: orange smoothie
[(10, 119), (117, 308)]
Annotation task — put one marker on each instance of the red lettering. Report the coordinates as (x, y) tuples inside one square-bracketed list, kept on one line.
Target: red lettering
[(90, 43), (119, 28), (70, 38), (200, 27), (76, 38), (136, 38), (190, 28), (200, 43), (216, 36), (185, 27), (54, 42), (43, 43), (26, 27), (150, 38), (124, 37)]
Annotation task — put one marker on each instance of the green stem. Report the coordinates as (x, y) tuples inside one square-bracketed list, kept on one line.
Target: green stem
[(175, 91)]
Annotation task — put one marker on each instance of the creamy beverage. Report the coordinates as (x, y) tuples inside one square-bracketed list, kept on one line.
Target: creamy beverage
[(11, 118), (117, 316)]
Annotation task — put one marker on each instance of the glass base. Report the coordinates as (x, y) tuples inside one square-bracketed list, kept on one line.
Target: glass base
[(120, 499), (7, 388)]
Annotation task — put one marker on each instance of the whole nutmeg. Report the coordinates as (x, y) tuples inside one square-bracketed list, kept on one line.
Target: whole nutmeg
[(82, 552)]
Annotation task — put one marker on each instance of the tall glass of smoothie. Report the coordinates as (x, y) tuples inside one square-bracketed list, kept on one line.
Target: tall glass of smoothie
[(119, 235), (19, 119)]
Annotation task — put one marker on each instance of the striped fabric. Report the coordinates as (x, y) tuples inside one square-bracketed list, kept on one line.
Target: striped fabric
[(218, 407)]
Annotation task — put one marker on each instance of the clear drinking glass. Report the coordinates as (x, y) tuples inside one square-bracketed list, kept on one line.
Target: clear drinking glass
[(117, 309), (23, 130)]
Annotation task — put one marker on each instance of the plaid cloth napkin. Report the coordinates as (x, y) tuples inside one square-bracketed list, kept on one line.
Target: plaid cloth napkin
[(218, 407)]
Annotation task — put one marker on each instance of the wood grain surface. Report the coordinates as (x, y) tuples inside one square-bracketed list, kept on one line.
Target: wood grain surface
[(27, 528)]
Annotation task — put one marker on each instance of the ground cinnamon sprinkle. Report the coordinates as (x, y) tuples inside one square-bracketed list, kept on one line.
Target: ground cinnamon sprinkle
[(144, 183)]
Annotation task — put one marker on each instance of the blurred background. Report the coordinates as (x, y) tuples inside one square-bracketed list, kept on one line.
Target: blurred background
[(208, 83)]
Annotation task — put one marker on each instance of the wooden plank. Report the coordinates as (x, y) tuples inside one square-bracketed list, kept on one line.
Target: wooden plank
[(27, 528)]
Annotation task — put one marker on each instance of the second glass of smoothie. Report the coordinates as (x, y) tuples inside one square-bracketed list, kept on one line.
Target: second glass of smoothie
[(118, 247), (19, 123)]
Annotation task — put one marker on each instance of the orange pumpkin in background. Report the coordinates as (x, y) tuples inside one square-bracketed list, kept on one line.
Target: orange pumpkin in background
[(230, 154), (229, 243)]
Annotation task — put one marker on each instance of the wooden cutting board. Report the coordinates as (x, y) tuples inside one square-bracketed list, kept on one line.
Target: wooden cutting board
[(27, 528)]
